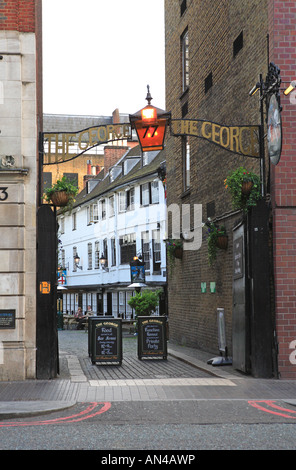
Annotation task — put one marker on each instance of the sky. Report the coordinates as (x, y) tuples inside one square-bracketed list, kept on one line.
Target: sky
[(100, 55)]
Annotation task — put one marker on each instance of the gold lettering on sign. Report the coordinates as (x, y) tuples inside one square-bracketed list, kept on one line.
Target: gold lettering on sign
[(60, 147), (238, 139)]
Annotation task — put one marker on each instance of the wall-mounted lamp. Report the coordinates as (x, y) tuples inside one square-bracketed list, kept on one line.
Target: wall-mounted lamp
[(76, 261), (138, 257), (290, 88), (254, 89), (103, 261)]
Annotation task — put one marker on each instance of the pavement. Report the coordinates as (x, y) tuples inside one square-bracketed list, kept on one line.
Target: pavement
[(185, 375)]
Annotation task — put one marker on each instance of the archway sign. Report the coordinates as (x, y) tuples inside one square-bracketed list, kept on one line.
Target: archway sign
[(62, 147), (65, 146), (242, 140)]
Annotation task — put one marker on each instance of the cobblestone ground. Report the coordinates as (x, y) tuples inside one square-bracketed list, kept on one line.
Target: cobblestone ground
[(73, 342)]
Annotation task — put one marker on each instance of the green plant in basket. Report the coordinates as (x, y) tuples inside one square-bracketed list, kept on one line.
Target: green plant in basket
[(62, 193), (174, 250), (213, 234), (244, 188)]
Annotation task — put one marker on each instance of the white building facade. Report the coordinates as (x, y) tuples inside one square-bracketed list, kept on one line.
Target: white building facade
[(116, 218)]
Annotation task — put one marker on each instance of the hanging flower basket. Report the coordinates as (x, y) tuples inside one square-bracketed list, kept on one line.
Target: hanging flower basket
[(247, 187), (244, 188), (60, 198), (222, 242), (217, 238), (178, 253), (61, 194), (174, 250)]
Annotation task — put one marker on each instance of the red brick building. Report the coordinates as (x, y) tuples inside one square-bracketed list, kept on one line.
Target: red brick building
[(282, 29), (214, 56)]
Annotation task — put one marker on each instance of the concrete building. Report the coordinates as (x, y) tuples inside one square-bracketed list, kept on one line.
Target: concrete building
[(214, 57), (20, 124)]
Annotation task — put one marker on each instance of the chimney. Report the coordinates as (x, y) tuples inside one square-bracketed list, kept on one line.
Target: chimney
[(88, 167), (111, 156), (115, 115)]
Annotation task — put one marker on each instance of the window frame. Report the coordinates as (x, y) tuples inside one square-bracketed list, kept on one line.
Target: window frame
[(89, 255), (185, 59), (156, 249), (127, 248), (186, 159)]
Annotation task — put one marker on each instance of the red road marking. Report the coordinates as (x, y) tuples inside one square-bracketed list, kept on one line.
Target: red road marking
[(272, 404), (85, 414)]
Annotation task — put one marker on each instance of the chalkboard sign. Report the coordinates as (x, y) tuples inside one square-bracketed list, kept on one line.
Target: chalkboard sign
[(152, 338), (7, 319), (106, 340)]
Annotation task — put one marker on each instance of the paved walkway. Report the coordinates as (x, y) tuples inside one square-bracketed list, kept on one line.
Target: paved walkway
[(185, 375)]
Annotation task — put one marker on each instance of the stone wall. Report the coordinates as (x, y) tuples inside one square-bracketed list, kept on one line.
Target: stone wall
[(18, 182)]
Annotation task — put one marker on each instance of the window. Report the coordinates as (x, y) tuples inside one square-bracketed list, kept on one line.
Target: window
[(127, 244), (111, 206), (145, 194), (89, 255), (105, 250), (146, 250), (184, 109), (155, 192), (92, 214), (113, 251), (73, 177), (122, 201), (185, 60), (63, 259), (127, 200), (74, 221), (74, 254), (238, 44), (130, 199), (97, 254), (103, 209), (149, 193), (208, 82), (186, 162), (89, 218), (95, 213), (47, 179), (156, 250), (183, 7), (62, 225)]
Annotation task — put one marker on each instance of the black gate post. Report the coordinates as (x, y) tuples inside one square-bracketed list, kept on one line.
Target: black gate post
[(46, 322), (261, 316)]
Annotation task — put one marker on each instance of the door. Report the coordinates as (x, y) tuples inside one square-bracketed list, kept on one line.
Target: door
[(109, 303), (47, 365), (240, 315)]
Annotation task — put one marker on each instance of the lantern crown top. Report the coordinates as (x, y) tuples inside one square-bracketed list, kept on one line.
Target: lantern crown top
[(148, 97)]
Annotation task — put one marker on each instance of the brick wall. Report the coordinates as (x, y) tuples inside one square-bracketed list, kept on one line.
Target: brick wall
[(212, 31), (111, 156), (282, 19), (17, 15)]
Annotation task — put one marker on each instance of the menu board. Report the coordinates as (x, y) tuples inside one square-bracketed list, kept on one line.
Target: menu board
[(106, 341), (152, 340)]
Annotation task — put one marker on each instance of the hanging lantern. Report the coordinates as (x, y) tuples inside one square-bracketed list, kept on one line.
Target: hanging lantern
[(150, 124)]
